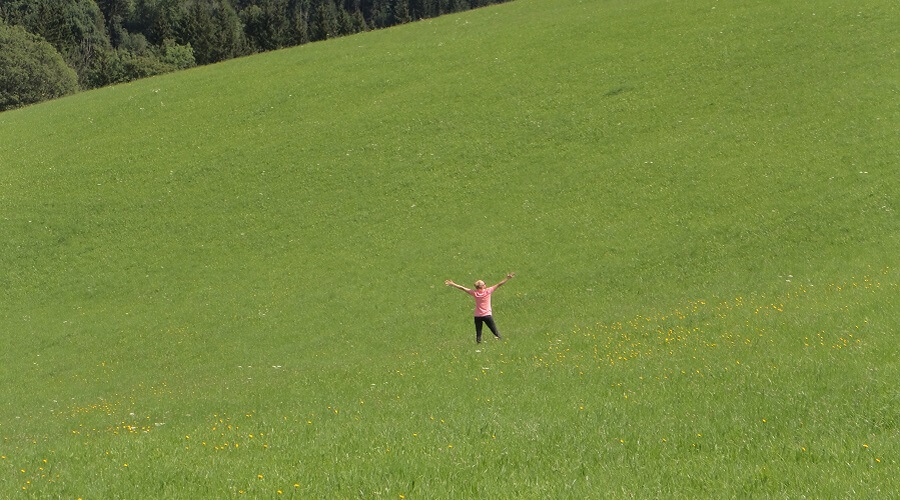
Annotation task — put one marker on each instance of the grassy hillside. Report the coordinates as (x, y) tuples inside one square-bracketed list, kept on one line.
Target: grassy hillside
[(229, 280)]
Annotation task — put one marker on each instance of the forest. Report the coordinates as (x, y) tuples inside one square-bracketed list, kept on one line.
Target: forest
[(50, 48)]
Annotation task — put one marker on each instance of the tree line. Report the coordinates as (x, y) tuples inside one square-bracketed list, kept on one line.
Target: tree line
[(101, 42)]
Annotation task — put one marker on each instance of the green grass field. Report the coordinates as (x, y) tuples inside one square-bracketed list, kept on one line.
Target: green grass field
[(229, 281)]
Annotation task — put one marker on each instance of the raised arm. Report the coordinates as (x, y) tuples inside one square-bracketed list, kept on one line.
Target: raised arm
[(454, 285), (508, 277)]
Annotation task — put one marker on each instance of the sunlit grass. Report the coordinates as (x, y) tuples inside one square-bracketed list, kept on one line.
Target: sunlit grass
[(229, 281)]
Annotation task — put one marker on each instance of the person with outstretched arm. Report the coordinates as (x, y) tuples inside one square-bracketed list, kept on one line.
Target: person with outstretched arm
[(482, 297)]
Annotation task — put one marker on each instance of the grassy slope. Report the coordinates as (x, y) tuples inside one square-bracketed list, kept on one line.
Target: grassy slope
[(301, 209)]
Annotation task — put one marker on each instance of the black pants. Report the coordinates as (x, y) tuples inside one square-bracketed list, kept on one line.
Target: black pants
[(481, 320)]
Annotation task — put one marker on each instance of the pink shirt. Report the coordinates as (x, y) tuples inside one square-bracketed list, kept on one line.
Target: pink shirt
[(482, 300)]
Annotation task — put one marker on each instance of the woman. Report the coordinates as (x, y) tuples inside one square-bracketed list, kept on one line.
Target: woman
[(482, 297)]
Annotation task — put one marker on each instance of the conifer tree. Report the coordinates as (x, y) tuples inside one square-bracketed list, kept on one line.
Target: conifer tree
[(299, 27), (266, 24), (109, 41), (324, 21), (401, 12), (115, 14)]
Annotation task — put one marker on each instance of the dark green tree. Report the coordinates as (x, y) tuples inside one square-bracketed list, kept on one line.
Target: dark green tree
[(230, 38), (459, 5), (267, 24), (157, 20), (31, 70), (92, 42), (299, 27), (400, 12), (380, 14), (109, 41), (75, 28), (324, 22), (199, 29), (213, 30), (116, 13), (423, 9), (358, 21)]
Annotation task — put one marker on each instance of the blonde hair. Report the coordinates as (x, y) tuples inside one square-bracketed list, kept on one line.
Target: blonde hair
[(479, 284)]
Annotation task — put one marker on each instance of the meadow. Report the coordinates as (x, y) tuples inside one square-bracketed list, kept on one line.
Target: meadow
[(228, 281)]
